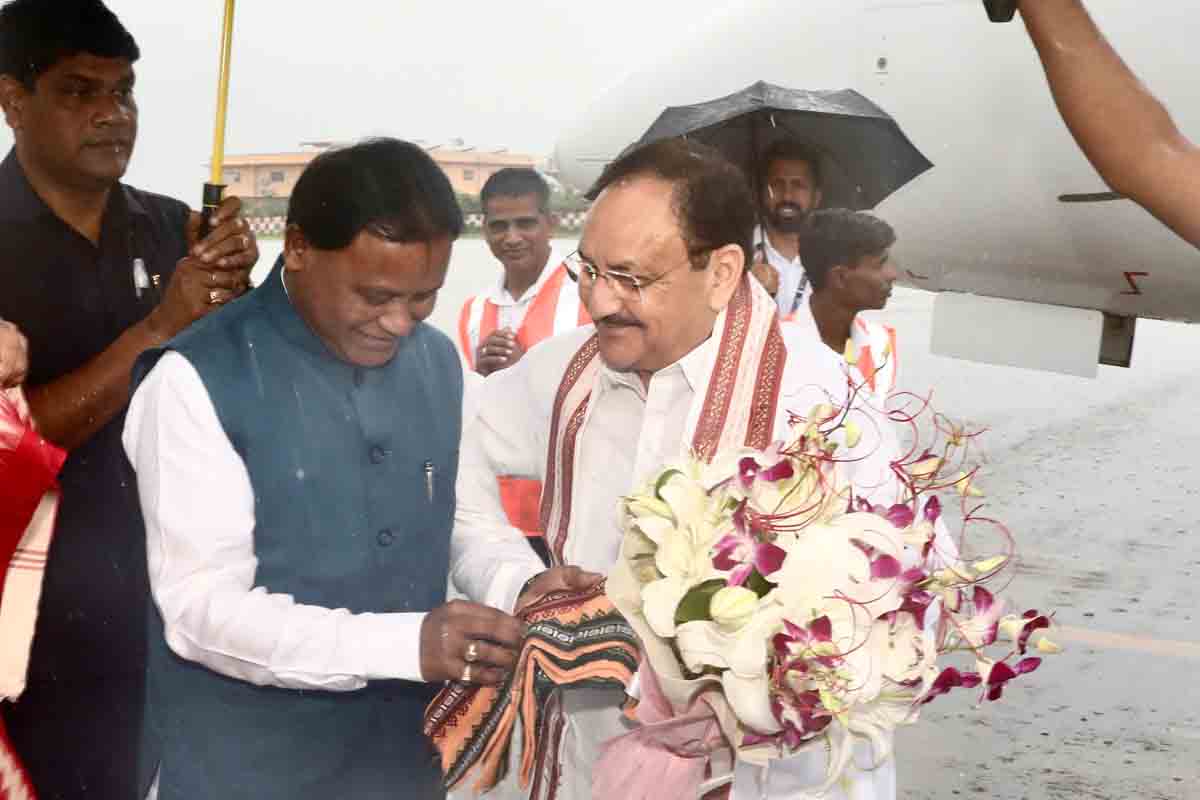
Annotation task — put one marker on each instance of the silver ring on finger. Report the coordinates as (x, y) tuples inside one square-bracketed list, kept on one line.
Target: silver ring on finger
[(214, 297), (466, 676), (472, 654)]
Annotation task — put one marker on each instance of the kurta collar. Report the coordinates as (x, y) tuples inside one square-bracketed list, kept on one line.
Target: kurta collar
[(500, 296), (695, 365), (773, 255)]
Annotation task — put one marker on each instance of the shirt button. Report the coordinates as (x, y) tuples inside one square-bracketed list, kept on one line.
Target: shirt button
[(378, 454), (385, 538)]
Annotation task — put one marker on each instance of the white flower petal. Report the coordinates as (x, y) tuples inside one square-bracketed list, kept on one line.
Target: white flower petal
[(751, 702), (660, 600), (655, 528)]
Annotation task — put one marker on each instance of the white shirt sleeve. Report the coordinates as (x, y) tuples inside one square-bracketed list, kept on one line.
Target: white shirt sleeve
[(198, 506), (489, 559)]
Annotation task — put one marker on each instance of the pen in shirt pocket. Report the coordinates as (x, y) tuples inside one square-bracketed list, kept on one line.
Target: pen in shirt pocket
[(143, 281), (429, 470), (141, 278)]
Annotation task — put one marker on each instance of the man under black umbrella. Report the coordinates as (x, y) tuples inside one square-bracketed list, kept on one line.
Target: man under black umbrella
[(789, 189)]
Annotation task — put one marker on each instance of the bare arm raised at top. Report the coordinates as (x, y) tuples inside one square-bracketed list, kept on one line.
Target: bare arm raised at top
[(1122, 128)]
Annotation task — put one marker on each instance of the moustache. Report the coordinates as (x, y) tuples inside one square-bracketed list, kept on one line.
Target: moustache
[(618, 321)]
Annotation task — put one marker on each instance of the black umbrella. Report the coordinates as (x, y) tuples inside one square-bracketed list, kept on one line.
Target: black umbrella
[(866, 155)]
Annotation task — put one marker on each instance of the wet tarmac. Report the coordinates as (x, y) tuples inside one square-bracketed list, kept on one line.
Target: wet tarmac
[(1099, 480)]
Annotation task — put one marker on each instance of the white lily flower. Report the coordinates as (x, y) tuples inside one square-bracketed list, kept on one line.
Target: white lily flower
[(660, 599), (823, 562), (751, 701)]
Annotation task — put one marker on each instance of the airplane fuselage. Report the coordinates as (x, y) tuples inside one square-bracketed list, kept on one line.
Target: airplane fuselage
[(1011, 209)]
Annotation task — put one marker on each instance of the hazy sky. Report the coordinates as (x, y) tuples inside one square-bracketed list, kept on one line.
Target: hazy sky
[(507, 74)]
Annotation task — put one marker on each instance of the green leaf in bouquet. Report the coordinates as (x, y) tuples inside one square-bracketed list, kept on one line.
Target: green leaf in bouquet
[(663, 480), (758, 584), (695, 604)]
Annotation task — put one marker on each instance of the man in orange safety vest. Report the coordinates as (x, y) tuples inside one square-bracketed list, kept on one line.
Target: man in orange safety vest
[(533, 300)]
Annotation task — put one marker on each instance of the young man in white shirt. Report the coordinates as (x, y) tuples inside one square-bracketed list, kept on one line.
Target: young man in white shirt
[(847, 256)]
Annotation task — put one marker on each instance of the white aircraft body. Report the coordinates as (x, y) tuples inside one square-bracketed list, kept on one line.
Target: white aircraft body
[(1040, 265)]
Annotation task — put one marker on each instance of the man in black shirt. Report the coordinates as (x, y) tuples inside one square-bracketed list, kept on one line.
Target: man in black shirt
[(93, 272)]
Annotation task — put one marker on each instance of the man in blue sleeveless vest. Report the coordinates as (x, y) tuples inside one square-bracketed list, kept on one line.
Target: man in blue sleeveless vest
[(296, 456)]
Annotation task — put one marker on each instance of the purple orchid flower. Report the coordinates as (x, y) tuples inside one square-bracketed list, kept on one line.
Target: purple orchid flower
[(883, 566), (741, 551), (1001, 673), (749, 471), (1035, 622), (950, 678), (900, 515)]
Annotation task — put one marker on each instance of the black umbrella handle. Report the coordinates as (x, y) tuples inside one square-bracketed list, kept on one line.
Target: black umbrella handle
[(1000, 10), (213, 194)]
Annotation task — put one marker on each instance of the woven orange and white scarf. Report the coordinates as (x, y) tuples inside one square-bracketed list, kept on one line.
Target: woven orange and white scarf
[(573, 639)]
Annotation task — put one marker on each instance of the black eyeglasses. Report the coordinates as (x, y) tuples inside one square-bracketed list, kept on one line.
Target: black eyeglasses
[(625, 285)]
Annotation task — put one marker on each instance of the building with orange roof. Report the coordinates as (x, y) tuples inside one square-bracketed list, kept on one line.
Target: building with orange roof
[(275, 174)]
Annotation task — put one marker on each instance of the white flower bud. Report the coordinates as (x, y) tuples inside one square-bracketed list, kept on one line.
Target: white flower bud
[(732, 607)]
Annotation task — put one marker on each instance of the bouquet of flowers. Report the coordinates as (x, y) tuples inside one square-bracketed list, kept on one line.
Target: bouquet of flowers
[(804, 616)]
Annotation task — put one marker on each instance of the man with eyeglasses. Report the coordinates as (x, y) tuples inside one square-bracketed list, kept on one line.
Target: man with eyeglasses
[(528, 303), (687, 354)]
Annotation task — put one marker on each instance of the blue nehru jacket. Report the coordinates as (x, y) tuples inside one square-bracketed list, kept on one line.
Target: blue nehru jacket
[(353, 473)]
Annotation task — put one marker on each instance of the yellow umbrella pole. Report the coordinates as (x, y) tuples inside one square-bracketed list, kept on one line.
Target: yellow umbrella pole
[(215, 189)]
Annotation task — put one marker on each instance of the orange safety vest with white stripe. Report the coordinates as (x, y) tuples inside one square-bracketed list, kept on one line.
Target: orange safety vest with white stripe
[(877, 357), (555, 309)]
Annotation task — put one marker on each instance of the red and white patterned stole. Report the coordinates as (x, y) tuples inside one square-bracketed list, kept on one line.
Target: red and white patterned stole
[(740, 402)]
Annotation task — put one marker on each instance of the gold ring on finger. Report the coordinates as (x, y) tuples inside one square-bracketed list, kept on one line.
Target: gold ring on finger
[(472, 654), (466, 676)]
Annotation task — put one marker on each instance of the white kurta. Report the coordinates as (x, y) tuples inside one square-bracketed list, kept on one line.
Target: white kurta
[(630, 431)]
